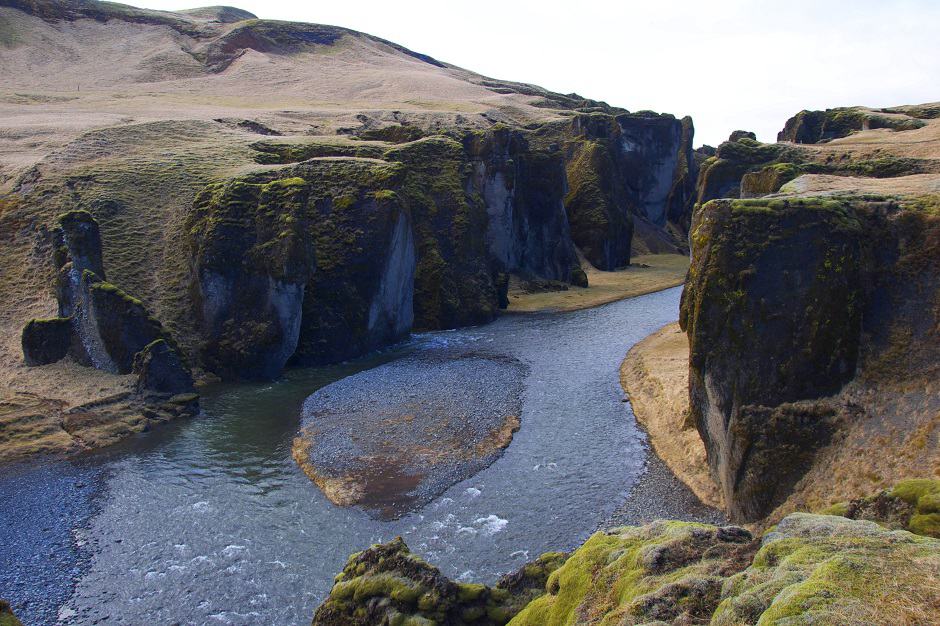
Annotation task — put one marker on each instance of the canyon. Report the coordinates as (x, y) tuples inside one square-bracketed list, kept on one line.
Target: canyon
[(215, 226)]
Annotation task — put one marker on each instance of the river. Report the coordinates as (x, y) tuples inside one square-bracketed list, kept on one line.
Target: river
[(208, 520)]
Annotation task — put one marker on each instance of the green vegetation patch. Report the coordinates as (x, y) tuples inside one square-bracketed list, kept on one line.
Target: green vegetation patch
[(668, 571), (815, 569)]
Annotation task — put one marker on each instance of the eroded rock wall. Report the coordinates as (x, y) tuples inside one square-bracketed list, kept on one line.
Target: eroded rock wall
[(787, 300)]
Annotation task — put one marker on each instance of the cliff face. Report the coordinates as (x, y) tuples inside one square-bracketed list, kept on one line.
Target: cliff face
[(343, 249), (629, 176), (788, 300)]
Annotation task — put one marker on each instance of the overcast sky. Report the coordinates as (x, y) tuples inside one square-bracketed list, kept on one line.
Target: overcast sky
[(728, 63)]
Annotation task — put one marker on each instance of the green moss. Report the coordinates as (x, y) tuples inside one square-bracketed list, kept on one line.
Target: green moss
[(817, 569), (632, 575), (911, 491), (95, 284)]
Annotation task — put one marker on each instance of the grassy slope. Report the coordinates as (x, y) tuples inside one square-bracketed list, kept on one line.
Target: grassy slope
[(664, 271)]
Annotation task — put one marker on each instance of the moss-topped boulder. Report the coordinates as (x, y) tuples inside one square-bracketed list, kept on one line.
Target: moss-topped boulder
[(912, 505), (46, 340), (160, 369), (819, 569), (7, 618), (666, 572), (773, 309), (387, 584)]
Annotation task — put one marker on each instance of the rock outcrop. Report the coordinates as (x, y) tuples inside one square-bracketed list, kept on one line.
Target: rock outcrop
[(823, 126), (387, 584), (823, 569), (346, 248), (666, 572), (100, 325), (809, 568), (912, 505), (46, 341), (787, 299), (627, 174)]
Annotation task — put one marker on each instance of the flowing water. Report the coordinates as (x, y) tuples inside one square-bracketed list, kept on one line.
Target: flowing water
[(209, 520)]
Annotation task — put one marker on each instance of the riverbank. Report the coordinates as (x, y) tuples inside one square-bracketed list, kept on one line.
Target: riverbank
[(655, 377), (645, 274)]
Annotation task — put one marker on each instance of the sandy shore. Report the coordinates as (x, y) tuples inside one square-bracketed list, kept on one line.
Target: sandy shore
[(655, 377), (646, 274)]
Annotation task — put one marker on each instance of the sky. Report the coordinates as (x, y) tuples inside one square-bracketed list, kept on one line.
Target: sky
[(730, 64)]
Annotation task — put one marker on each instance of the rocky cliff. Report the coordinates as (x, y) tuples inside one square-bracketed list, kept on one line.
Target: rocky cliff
[(340, 251), (281, 235), (787, 301)]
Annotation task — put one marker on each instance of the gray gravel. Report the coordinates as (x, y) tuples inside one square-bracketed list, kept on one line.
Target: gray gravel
[(408, 430), (658, 494)]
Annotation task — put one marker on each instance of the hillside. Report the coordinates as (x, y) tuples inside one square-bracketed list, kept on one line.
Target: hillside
[(161, 125)]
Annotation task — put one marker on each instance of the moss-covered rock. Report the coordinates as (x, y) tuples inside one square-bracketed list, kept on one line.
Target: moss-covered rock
[(386, 584), (99, 324), (768, 179), (818, 569), (7, 618), (252, 257), (454, 283), (820, 126), (912, 505), (788, 300), (46, 340), (668, 572), (160, 369), (746, 168), (742, 134), (773, 307), (623, 166), (523, 189), (113, 326)]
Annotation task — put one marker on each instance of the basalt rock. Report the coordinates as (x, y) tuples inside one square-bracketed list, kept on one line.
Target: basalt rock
[(523, 190), (823, 126), (252, 257), (722, 175), (623, 167), (387, 584), (46, 341), (773, 308), (112, 326), (160, 369), (742, 134), (99, 324), (786, 301)]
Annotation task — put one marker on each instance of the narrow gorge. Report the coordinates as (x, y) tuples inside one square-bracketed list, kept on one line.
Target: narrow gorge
[(300, 324)]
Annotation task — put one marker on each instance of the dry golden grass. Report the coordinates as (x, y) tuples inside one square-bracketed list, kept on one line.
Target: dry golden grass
[(655, 376), (664, 271)]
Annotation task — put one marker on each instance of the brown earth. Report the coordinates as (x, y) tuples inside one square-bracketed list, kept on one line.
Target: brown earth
[(646, 274), (655, 377)]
